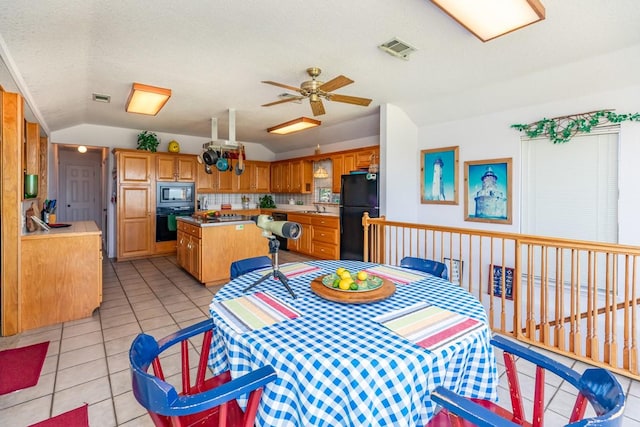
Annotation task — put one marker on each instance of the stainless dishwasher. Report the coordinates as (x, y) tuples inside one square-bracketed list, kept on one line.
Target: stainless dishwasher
[(279, 216)]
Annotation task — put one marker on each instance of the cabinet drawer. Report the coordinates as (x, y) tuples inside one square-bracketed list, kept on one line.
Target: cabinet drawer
[(301, 219), (189, 229), (325, 234), (325, 221), (324, 250)]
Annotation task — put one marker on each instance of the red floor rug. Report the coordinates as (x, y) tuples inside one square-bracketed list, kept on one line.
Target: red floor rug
[(20, 367), (78, 417)]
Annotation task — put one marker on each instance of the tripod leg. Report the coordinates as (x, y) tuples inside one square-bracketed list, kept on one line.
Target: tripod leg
[(257, 282), (284, 281)]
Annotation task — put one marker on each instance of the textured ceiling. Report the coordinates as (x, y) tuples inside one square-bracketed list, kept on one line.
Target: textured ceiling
[(214, 54)]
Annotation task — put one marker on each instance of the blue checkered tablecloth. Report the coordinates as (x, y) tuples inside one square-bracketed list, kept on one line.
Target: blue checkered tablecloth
[(337, 367)]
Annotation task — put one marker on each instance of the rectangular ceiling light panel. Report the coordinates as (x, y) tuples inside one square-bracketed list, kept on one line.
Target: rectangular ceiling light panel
[(296, 125), (488, 19), (145, 99)]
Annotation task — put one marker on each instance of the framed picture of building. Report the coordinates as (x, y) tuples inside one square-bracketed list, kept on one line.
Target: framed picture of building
[(496, 282), (487, 190), (439, 176)]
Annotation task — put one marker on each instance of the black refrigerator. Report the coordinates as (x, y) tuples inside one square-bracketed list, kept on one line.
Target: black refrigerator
[(359, 193)]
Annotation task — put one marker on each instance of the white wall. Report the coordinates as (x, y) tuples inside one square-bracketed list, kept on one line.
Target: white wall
[(114, 137), (489, 137), (399, 165)]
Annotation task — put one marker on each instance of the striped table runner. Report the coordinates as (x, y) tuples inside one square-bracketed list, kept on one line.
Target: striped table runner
[(429, 326), (254, 311), (402, 277), (293, 270)]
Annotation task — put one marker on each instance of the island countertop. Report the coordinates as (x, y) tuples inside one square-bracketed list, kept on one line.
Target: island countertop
[(200, 222), (77, 228)]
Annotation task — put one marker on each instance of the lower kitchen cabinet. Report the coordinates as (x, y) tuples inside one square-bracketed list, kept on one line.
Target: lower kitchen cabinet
[(206, 251), (61, 275), (325, 237), (320, 235), (303, 243)]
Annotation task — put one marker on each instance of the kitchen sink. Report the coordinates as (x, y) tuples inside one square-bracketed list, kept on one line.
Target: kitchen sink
[(309, 212)]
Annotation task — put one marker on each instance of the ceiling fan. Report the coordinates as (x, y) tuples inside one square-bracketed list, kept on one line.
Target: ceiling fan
[(316, 90)]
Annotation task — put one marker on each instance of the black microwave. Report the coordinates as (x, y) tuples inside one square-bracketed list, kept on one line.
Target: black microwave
[(175, 193)]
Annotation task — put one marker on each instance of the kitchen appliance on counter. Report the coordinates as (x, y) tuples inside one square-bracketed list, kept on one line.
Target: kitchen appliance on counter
[(279, 216), (359, 193)]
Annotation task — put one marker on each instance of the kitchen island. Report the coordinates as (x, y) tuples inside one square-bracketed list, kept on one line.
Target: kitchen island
[(61, 274), (207, 247)]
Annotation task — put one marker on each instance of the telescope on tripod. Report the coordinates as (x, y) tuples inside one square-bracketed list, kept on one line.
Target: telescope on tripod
[(286, 229)]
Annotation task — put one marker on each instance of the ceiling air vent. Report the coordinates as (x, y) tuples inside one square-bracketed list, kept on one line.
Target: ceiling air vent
[(101, 98), (397, 47)]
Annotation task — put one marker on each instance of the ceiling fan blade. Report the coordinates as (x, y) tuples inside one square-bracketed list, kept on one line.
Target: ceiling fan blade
[(335, 84), (289, 99), (295, 89), (349, 99), (317, 107)]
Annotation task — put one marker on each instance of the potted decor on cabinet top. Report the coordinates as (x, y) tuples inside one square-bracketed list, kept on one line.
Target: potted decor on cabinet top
[(148, 141)]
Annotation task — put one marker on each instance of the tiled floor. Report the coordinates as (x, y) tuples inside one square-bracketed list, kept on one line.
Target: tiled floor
[(88, 360)]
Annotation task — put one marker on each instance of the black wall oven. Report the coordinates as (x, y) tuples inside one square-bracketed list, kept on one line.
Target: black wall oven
[(173, 199)]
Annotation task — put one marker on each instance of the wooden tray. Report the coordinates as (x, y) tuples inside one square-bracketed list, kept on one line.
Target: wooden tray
[(383, 292)]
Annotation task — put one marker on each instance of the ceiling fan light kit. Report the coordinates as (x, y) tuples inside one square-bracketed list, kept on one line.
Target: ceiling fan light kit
[(145, 99), (316, 90), (301, 123), (488, 19)]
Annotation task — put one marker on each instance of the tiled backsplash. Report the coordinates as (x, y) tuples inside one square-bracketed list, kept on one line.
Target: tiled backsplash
[(213, 201)]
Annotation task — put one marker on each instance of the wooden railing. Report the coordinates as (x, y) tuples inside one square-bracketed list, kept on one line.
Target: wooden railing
[(572, 297)]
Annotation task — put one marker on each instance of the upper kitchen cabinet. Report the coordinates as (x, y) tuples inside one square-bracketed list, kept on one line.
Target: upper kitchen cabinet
[(31, 158), (292, 176), (344, 163), (134, 167), (256, 178), (175, 167)]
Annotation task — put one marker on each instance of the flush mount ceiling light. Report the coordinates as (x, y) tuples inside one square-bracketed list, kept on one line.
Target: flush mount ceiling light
[(296, 125), (145, 99), (488, 19), (82, 149)]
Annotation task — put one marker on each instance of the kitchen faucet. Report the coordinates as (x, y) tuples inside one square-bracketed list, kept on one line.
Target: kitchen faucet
[(317, 207)]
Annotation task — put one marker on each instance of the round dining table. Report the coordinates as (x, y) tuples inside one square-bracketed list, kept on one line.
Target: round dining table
[(337, 363)]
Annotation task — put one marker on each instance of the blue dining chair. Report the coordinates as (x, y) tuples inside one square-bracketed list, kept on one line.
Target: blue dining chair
[(436, 268), (210, 401), (247, 265), (596, 386)]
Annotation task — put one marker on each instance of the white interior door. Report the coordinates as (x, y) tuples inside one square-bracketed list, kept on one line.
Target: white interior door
[(80, 191)]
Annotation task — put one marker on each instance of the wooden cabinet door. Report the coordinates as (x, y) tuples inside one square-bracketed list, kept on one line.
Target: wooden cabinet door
[(196, 257), (261, 178), (32, 149), (304, 242), (186, 168), (243, 183), (225, 181), (364, 158), (182, 239), (295, 177), (204, 181), (134, 168), (337, 165), (165, 168), (135, 221), (349, 163), (279, 177)]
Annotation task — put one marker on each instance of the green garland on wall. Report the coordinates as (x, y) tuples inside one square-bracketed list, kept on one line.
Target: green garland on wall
[(562, 129)]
